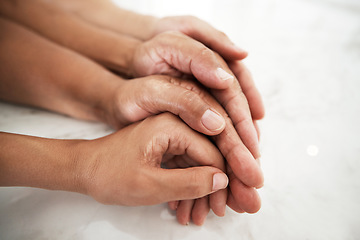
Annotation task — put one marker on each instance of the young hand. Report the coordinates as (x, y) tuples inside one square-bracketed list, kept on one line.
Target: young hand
[(123, 168)]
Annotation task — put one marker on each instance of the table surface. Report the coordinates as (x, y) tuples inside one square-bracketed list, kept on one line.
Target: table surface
[(305, 58)]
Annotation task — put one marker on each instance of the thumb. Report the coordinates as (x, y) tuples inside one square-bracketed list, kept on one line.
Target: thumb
[(189, 183)]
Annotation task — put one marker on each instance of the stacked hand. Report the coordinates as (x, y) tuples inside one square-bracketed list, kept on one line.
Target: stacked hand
[(185, 66)]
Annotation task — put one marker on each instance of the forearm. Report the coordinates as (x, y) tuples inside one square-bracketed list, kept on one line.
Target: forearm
[(106, 14), (39, 162), (108, 48), (37, 72)]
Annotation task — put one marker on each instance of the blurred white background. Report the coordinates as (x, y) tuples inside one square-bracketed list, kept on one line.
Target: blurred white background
[(305, 59)]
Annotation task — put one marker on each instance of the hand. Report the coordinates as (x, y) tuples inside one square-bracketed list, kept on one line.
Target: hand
[(175, 54), (200, 31), (220, 43), (231, 97), (112, 53), (124, 168), (74, 110), (82, 19), (95, 93), (139, 98)]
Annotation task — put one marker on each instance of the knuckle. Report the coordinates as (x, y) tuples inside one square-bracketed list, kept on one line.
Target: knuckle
[(206, 52), (192, 86), (192, 101), (203, 54)]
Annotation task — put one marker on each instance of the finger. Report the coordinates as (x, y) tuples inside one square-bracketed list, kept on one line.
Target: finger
[(239, 157), (256, 125), (248, 87), (185, 55), (165, 94), (189, 183), (173, 205), (218, 202), (232, 145), (194, 156), (183, 212), (231, 202), (200, 210), (202, 32), (229, 142), (236, 105), (245, 197), (214, 39)]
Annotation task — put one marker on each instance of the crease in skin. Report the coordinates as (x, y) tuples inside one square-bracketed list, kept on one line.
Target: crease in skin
[(153, 151)]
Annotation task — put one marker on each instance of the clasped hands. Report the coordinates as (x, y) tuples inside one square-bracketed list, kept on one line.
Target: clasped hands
[(185, 106)]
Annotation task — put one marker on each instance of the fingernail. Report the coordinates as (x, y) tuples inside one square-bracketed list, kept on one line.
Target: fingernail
[(223, 75), (220, 181), (212, 120)]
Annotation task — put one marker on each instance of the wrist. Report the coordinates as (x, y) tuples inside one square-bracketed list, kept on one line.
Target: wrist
[(120, 58), (104, 103)]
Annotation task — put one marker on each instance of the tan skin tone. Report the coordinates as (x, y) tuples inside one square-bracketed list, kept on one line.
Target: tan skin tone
[(168, 68), (52, 80), (112, 170)]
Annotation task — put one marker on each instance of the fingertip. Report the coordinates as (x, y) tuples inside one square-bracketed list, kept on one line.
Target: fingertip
[(255, 180), (183, 212), (257, 108), (256, 103), (199, 222), (240, 53), (247, 198), (256, 207), (173, 205), (220, 212)]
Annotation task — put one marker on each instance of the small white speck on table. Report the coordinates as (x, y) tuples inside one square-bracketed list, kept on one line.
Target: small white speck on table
[(305, 59)]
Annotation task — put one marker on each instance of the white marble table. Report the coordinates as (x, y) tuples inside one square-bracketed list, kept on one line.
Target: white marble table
[(305, 57)]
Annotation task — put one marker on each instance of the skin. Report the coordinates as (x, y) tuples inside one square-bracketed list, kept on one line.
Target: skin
[(233, 98), (112, 170), (104, 14), (169, 53), (92, 96)]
